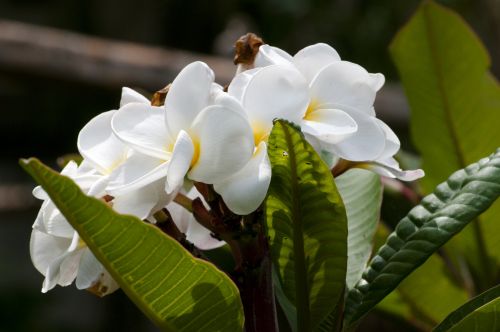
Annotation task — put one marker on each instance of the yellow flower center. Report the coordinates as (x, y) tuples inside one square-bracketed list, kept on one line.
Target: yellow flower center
[(313, 106)]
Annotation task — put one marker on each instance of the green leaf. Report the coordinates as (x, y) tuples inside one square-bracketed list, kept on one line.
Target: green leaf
[(455, 110), (454, 203), (307, 227), (482, 313), (361, 192), (174, 289), (431, 292)]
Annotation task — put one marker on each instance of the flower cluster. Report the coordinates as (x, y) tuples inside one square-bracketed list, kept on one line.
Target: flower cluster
[(140, 157)]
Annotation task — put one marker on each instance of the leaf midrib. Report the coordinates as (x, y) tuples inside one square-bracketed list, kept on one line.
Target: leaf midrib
[(436, 64), (301, 289)]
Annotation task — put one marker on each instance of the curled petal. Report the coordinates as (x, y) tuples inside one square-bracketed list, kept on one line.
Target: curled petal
[(270, 55), (390, 168), (140, 202), (182, 157), (98, 145), (45, 248), (89, 270), (343, 85), (240, 82), (136, 172), (132, 96), (225, 141), (311, 59), (91, 274), (329, 125), (188, 95), (392, 143), (367, 143), (244, 191), (377, 81), (275, 92), (142, 127)]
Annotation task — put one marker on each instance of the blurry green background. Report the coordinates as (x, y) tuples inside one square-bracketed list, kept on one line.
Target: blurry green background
[(42, 111)]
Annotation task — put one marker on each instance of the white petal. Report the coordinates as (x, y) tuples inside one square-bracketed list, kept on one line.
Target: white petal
[(391, 169), (367, 143), (69, 267), (45, 248), (377, 81), (137, 171), (240, 82), (311, 59), (182, 157), (343, 85), (329, 125), (200, 236), (132, 96), (70, 169), (392, 143), (275, 92), (188, 95), (139, 202), (89, 271), (142, 127), (39, 193), (225, 141), (97, 143), (244, 191), (270, 55), (55, 223), (97, 189)]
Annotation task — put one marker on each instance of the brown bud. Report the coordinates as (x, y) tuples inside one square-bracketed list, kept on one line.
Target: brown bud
[(159, 96), (246, 48)]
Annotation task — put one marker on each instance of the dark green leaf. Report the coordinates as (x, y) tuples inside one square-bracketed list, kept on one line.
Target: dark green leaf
[(307, 226), (428, 226), (175, 290)]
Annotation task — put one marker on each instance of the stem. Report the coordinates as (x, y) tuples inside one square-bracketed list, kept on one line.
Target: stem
[(165, 222), (184, 201), (256, 288)]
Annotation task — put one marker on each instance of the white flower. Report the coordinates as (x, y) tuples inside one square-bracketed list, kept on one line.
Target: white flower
[(56, 248), (332, 101), (196, 133)]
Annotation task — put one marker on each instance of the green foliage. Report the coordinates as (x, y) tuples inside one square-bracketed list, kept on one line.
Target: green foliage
[(428, 226), (479, 314), (361, 192), (175, 290), (455, 104), (307, 226)]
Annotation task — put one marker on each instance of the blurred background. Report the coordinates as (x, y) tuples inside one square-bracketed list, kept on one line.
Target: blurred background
[(63, 62)]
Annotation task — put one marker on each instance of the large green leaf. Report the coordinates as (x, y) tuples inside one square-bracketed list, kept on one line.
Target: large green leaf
[(174, 289), (427, 295), (455, 111), (482, 313), (361, 192), (307, 227), (454, 203)]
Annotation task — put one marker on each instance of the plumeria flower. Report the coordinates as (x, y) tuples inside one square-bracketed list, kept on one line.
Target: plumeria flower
[(195, 134), (56, 249), (331, 100)]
